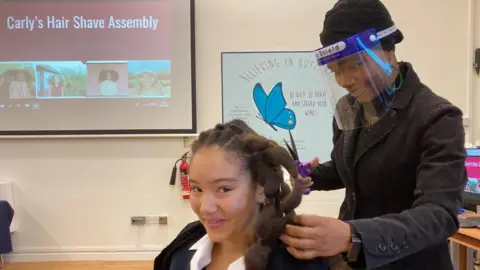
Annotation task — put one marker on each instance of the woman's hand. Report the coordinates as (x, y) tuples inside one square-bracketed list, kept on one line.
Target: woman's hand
[(315, 236), (313, 165)]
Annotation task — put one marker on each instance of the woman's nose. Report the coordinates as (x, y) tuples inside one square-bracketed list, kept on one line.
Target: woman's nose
[(208, 204), (345, 81)]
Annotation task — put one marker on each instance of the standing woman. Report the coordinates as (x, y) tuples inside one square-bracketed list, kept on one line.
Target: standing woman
[(398, 151)]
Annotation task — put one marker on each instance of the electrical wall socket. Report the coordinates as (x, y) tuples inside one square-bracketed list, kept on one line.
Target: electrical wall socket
[(163, 220), (138, 220), (159, 220), (142, 220)]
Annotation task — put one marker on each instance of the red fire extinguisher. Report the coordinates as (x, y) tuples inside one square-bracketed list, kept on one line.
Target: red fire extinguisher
[(184, 180)]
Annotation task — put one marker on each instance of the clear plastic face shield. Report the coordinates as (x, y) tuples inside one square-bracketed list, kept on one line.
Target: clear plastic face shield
[(358, 78)]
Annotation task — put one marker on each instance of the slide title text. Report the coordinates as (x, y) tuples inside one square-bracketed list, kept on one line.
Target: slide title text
[(80, 22)]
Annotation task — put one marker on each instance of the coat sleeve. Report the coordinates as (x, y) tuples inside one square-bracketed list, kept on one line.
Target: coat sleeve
[(325, 177), (441, 178)]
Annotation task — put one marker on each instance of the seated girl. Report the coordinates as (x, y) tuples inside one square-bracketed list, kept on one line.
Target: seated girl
[(108, 82), (242, 202)]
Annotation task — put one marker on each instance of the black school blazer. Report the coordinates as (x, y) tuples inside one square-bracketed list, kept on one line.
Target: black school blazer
[(177, 255)]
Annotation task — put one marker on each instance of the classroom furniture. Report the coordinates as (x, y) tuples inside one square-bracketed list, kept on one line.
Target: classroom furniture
[(6, 217), (466, 238)]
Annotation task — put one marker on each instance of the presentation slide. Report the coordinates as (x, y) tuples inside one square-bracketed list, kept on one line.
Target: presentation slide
[(102, 66), (472, 165)]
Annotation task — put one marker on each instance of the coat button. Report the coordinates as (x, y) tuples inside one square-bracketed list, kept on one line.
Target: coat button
[(382, 247), (405, 245), (395, 247)]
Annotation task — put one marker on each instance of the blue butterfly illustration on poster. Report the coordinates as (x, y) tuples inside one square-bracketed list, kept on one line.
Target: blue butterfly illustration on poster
[(272, 107), (277, 93)]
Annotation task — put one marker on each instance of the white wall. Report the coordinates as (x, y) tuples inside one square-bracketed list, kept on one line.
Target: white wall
[(74, 197)]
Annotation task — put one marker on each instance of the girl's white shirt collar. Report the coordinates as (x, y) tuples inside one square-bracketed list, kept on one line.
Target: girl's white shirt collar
[(203, 256)]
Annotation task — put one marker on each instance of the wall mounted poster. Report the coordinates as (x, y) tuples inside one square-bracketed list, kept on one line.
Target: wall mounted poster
[(277, 93)]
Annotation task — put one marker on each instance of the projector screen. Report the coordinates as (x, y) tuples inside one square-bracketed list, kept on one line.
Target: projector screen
[(97, 67)]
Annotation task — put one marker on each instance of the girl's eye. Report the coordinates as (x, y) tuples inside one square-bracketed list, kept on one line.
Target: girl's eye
[(195, 189), (223, 190)]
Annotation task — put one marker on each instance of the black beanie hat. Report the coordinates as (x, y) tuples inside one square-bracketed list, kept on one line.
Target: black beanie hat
[(349, 17)]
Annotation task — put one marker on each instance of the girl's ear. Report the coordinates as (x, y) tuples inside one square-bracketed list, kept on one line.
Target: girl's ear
[(260, 194)]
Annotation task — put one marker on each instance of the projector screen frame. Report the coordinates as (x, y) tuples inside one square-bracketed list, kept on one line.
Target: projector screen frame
[(98, 133)]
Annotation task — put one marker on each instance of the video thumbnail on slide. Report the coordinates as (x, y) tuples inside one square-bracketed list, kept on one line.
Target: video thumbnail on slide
[(95, 79), (60, 79), (17, 81)]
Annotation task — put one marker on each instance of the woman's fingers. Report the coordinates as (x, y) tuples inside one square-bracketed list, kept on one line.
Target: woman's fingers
[(314, 163)]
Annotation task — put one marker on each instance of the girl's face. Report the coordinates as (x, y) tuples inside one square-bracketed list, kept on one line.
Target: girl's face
[(223, 194), (109, 76), (147, 80), (20, 76)]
